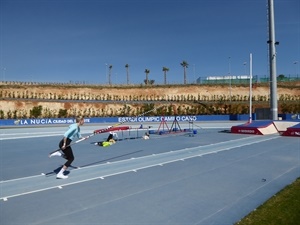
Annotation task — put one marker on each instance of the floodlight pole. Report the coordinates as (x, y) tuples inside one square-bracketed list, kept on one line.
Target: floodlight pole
[(272, 57)]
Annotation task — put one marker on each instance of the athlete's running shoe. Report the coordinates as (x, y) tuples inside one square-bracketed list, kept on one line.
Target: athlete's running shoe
[(55, 154), (61, 176)]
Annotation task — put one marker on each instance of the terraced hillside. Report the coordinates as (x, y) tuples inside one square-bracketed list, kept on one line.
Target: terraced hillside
[(19, 100)]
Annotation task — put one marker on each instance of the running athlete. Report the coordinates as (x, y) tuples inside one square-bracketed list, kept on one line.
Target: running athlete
[(64, 145)]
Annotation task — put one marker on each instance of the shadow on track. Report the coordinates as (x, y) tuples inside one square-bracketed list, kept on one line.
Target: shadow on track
[(56, 171)]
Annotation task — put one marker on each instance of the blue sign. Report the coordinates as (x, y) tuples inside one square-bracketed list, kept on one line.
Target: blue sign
[(140, 119)]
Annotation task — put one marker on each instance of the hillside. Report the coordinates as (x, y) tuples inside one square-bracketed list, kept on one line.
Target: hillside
[(17, 100)]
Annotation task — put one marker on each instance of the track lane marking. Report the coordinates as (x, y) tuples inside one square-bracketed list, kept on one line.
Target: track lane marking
[(118, 167)]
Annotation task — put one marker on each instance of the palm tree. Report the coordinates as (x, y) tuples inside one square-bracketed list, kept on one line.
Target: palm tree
[(165, 69), (185, 65), (127, 72), (147, 71), (109, 74)]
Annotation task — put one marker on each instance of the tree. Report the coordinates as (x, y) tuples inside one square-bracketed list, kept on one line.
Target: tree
[(147, 71), (62, 113), (109, 74), (127, 73), (165, 69), (36, 111), (185, 65), (281, 77)]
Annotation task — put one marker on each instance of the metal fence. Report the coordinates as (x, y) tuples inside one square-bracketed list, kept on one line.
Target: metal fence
[(210, 80), (234, 81)]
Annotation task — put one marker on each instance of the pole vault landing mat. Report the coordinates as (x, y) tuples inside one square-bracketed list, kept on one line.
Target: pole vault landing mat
[(293, 131), (282, 126), (256, 127)]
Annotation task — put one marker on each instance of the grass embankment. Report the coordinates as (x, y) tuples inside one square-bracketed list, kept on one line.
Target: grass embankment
[(281, 209)]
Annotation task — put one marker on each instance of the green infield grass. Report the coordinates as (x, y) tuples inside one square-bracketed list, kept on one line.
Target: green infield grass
[(282, 209)]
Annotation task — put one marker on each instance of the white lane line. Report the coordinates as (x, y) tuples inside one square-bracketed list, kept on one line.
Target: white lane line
[(29, 133), (31, 136), (189, 150), (21, 178), (137, 164), (64, 185), (13, 136), (27, 193)]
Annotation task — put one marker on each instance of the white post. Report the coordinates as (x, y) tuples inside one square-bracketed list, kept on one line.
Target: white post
[(250, 91)]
